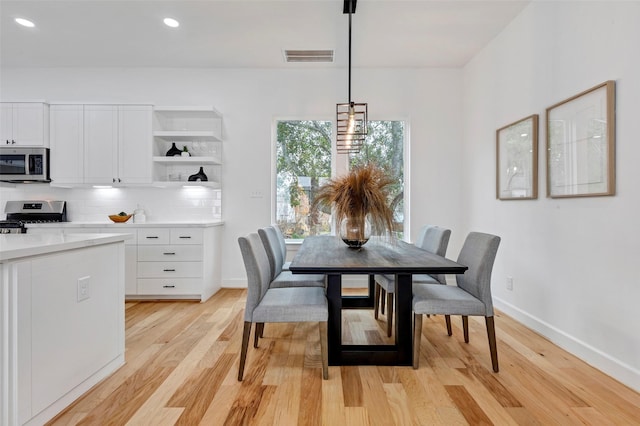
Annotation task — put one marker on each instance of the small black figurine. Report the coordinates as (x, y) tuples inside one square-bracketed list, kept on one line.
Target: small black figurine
[(200, 176), (173, 151)]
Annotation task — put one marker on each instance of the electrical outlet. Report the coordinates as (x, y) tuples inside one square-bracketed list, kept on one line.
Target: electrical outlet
[(84, 288), (510, 283)]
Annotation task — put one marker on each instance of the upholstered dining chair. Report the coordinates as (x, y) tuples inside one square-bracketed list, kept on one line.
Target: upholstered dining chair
[(283, 246), (281, 278), (266, 304), (431, 238), (471, 295)]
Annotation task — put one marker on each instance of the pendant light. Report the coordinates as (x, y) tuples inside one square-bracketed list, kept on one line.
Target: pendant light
[(351, 117)]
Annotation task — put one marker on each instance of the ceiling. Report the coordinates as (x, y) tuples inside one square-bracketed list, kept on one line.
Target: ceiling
[(244, 33)]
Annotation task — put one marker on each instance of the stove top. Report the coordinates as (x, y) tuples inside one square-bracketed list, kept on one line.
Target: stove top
[(36, 211)]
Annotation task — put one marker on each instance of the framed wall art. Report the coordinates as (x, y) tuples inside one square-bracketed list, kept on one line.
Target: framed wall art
[(581, 144), (517, 160)]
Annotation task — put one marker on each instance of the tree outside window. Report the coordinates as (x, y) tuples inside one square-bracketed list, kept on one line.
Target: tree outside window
[(384, 146), (303, 161), (303, 164)]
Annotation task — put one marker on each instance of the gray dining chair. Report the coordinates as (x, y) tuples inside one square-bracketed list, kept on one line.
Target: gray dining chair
[(471, 295), (281, 278), (431, 238), (283, 246), (266, 304)]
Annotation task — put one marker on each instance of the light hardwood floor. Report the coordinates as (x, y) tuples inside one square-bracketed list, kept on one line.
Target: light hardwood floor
[(182, 363)]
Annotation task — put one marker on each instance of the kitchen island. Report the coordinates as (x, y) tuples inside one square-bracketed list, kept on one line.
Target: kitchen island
[(61, 320)]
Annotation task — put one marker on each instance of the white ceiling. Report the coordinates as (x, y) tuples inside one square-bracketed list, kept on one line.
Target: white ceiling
[(243, 33)]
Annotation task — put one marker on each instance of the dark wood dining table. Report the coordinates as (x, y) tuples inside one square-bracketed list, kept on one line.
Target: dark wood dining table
[(329, 255)]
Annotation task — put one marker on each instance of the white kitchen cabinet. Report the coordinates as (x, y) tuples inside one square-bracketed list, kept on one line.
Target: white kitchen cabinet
[(179, 262), (101, 144), (199, 129), (162, 262), (60, 341), (67, 144), (24, 124)]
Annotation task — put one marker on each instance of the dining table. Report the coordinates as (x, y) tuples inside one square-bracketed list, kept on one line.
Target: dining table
[(329, 255)]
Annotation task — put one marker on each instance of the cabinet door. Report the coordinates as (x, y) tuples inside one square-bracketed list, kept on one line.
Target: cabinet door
[(100, 144), (6, 123), (30, 121), (67, 144), (134, 148)]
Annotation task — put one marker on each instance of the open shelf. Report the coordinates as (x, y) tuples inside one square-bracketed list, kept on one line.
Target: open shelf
[(187, 160)]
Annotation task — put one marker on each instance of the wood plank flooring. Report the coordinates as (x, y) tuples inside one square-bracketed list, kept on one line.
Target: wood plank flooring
[(182, 364)]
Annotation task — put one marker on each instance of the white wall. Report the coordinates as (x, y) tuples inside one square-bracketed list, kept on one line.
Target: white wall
[(572, 260), (250, 100)]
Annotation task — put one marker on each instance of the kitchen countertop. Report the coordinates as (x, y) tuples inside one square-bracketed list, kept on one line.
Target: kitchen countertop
[(128, 224), (15, 246)]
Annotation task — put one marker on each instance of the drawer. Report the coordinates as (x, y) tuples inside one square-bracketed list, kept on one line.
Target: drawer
[(186, 236), (154, 236), (169, 269), (172, 253), (168, 286)]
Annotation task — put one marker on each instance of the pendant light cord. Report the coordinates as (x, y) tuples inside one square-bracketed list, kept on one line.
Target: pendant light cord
[(350, 51)]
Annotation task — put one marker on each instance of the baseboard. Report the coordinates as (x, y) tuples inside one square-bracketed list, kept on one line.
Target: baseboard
[(234, 283), (604, 362)]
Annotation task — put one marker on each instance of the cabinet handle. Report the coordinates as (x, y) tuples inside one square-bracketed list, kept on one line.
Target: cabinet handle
[(169, 270), (169, 254), (185, 237), (12, 141), (169, 286), (119, 180), (152, 237)]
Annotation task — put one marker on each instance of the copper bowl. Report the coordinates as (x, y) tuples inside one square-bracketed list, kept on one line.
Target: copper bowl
[(119, 219)]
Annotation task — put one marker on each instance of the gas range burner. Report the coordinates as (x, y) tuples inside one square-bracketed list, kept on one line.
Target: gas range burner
[(36, 211)]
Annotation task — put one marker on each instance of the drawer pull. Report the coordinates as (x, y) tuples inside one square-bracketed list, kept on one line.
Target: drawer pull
[(169, 270), (169, 253), (152, 237), (185, 237), (168, 286)]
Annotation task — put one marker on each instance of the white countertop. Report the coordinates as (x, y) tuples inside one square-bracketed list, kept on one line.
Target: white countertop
[(129, 224), (14, 246)]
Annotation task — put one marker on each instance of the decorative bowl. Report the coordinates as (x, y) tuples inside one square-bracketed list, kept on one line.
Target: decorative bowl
[(119, 219)]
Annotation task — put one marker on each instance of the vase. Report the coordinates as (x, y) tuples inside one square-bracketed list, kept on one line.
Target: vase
[(355, 231), (173, 151), (200, 176)]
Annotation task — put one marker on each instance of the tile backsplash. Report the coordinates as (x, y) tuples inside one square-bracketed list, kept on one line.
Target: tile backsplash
[(95, 204)]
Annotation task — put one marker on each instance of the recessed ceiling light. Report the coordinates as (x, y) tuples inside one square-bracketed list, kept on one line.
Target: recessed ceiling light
[(25, 22), (170, 22)]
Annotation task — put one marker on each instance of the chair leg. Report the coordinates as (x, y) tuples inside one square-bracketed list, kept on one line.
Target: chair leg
[(324, 351), (258, 333), (389, 313), (447, 319), (383, 294), (491, 333), (243, 351), (465, 328), (417, 334), (376, 300)]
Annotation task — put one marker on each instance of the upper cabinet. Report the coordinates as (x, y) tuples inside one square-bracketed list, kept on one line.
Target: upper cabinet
[(24, 124), (101, 144), (197, 133)]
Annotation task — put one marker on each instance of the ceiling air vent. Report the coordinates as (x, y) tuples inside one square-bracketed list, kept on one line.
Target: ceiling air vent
[(308, 55)]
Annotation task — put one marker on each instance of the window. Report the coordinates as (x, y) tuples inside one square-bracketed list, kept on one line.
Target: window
[(303, 164), (384, 146)]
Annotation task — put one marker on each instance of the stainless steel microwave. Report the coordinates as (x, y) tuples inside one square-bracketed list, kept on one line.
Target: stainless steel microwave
[(24, 165)]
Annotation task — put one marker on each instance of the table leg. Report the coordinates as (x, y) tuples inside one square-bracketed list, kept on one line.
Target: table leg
[(334, 298), (403, 318)]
